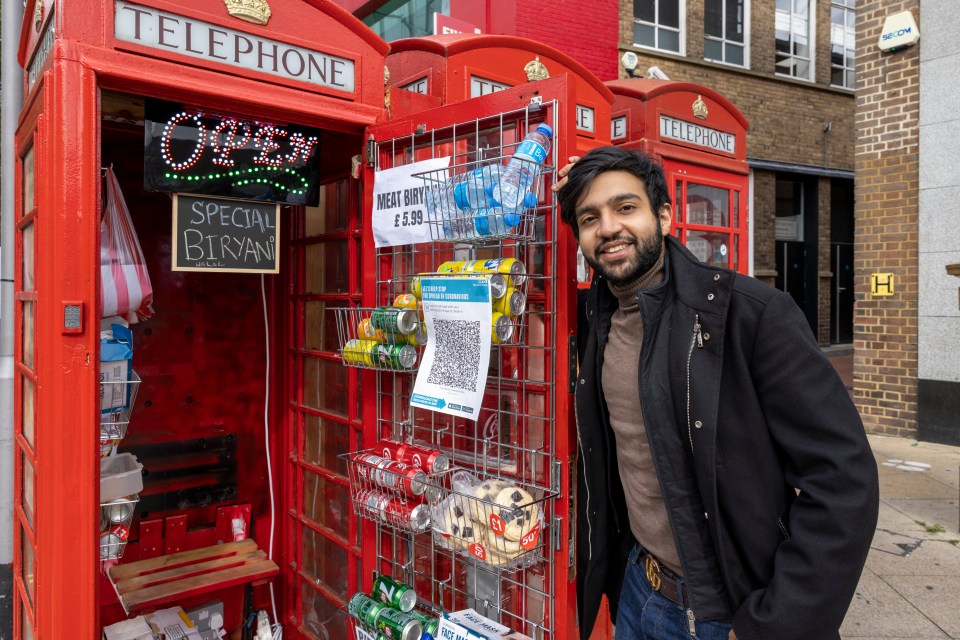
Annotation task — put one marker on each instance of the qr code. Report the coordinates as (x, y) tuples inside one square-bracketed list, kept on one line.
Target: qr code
[(456, 360)]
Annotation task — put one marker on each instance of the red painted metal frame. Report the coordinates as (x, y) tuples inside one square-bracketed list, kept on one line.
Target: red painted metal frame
[(449, 61), (563, 90), (85, 59)]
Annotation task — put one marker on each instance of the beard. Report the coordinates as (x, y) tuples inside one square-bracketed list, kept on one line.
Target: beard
[(646, 253)]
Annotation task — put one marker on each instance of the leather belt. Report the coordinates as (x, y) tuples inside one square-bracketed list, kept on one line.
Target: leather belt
[(663, 580)]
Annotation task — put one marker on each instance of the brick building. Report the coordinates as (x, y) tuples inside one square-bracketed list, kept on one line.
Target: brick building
[(907, 345)]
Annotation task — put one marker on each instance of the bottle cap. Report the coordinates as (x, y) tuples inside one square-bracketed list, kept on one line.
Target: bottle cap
[(545, 130), (529, 200), (460, 195)]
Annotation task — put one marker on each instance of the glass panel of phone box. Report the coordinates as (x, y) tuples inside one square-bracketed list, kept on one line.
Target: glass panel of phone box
[(475, 529)]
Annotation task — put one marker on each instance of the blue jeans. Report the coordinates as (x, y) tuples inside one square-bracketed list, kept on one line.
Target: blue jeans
[(645, 614)]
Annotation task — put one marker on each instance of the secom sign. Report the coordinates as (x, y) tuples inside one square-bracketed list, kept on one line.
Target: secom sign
[(899, 30)]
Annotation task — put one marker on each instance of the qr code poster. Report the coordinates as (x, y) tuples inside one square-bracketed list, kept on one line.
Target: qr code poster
[(453, 372)]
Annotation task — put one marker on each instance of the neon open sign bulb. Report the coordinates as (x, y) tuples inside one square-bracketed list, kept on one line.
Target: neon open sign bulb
[(231, 134)]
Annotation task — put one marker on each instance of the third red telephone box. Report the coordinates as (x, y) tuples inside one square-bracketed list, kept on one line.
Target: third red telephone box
[(700, 137)]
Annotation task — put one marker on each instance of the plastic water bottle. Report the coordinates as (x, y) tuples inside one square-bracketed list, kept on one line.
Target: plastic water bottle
[(512, 194), (474, 191)]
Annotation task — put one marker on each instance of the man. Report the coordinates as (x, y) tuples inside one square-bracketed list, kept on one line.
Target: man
[(724, 479)]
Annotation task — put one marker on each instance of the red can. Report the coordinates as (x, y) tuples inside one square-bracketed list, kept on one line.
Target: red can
[(414, 455), (393, 475), (372, 503), (122, 532), (407, 514)]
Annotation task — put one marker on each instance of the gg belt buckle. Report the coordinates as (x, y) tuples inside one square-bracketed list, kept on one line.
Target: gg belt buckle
[(653, 572)]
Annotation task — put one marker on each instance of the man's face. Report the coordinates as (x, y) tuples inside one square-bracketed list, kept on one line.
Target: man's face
[(620, 235)]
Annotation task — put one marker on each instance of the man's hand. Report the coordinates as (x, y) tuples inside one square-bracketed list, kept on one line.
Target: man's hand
[(563, 173), (731, 635)]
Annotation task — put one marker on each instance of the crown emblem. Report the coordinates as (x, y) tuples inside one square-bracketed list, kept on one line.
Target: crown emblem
[(700, 108), (255, 11), (536, 70)]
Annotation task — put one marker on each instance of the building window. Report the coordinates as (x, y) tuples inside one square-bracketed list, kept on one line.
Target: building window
[(724, 30), (406, 18), (794, 33), (843, 43), (658, 24)]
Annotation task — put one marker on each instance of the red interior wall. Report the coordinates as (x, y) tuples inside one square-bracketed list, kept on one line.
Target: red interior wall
[(201, 358)]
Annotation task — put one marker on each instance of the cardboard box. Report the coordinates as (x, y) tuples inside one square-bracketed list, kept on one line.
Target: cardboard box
[(467, 624), (116, 353)]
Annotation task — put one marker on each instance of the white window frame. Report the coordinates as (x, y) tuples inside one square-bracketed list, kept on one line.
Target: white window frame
[(682, 30), (723, 41), (812, 39), (851, 9)]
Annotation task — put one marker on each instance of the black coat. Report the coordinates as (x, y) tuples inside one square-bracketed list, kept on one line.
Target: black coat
[(770, 484)]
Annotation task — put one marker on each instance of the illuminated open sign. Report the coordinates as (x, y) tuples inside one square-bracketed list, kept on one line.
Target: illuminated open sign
[(191, 151)]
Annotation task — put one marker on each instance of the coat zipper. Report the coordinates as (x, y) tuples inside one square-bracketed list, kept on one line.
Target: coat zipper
[(696, 341), (576, 417)]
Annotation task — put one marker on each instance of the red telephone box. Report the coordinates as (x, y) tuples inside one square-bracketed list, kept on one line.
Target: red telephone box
[(240, 408), (249, 406), (453, 68), (700, 137)]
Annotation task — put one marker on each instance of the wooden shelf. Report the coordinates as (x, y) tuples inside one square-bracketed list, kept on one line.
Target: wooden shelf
[(164, 579)]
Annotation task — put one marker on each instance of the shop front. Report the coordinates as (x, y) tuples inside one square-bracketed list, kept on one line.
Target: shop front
[(700, 137), (207, 382)]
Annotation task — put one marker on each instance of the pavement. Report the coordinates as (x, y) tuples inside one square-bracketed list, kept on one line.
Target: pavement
[(910, 586)]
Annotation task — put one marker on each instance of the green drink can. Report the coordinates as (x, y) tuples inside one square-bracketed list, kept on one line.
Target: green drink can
[(395, 320), (430, 623), (394, 594), (365, 609), (396, 356), (397, 625)]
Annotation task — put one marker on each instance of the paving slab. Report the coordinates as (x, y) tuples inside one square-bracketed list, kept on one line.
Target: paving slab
[(934, 596), (880, 611), (945, 513), (892, 554)]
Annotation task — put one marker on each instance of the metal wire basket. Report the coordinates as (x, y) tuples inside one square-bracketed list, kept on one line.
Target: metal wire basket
[(115, 519), (463, 207), (114, 424)]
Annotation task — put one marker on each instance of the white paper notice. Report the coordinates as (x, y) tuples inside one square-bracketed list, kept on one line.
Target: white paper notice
[(399, 212), (453, 373)]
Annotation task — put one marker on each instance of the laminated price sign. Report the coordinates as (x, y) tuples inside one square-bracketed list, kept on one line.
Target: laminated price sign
[(399, 207), (453, 374)]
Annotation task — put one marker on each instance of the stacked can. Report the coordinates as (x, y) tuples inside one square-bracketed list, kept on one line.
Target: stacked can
[(113, 541), (376, 354), (390, 474), (430, 460), (383, 612), (399, 512)]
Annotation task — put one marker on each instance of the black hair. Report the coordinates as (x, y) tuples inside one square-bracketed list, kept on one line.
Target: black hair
[(601, 160)]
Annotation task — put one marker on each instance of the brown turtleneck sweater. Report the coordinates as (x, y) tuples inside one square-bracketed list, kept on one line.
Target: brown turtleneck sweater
[(621, 389)]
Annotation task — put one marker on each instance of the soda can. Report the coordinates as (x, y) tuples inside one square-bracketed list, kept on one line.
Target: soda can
[(430, 623), (512, 304), (372, 503), (415, 286), (117, 511), (507, 266), (419, 337), (405, 301), (394, 320), (451, 266), (360, 352), (110, 545), (103, 522), (366, 331), (498, 282), (430, 460), (394, 594), (396, 356), (502, 328), (407, 514), (364, 608), (398, 625)]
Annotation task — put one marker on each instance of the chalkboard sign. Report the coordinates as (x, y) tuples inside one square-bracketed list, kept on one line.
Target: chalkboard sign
[(223, 234)]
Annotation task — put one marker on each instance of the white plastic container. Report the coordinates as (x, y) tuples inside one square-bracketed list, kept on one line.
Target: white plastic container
[(120, 477)]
